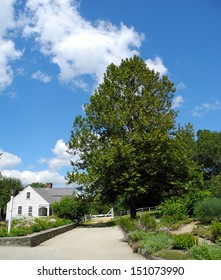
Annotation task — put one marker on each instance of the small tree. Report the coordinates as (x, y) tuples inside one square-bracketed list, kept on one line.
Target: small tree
[(70, 207), (5, 185)]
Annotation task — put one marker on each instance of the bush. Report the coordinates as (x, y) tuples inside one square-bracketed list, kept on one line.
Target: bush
[(148, 222), (36, 228), (173, 210), (156, 241), (127, 224), (137, 235), (216, 229), (184, 241), (70, 207), (19, 231), (208, 210), (3, 232), (205, 252)]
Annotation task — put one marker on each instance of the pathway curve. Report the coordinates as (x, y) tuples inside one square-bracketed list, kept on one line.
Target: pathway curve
[(81, 243)]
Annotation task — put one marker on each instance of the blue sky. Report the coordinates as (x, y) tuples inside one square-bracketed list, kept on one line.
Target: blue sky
[(53, 54)]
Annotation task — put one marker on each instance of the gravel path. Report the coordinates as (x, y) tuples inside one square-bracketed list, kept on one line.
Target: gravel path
[(81, 243)]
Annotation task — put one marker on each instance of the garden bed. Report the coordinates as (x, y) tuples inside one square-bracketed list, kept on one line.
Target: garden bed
[(35, 239)]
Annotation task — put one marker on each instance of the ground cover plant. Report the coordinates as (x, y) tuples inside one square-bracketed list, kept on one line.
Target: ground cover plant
[(25, 226), (158, 242)]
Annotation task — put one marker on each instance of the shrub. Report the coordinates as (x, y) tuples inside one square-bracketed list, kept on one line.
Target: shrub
[(127, 224), (3, 232), (208, 210), (70, 207), (205, 252), (148, 222), (173, 210), (215, 229), (19, 231), (156, 241), (184, 241), (36, 228), (137, 235)]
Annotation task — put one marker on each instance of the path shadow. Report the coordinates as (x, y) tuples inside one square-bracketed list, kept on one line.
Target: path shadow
[(99, 224)]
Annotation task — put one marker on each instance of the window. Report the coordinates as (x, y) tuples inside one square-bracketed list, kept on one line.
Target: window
[(19, 210), (30, 210), (28, 195)]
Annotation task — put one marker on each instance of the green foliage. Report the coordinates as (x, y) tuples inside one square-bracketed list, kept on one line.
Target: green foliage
[(70, 207), (208, 210), (205, 252), (208, 152), (137, 235), (148, 222), (156, 241), (3, 232), (19, 231), (36, 227), (26, 226), (214, 186), (37, 185), (127, 143), (184, 241), (5, 185), (173, 210), (215, 229), (194, 195), (169, 254), (127, 224)]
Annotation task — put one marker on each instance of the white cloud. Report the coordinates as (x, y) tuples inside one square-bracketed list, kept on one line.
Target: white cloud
[(8, 160), (62, 157), (157, 65), (76, 45), (28, 177), (40, 76), (177, 102), (207, 107), (8, 51), (180, 86)]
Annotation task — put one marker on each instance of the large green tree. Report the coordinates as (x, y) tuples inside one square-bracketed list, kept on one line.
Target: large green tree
[(127, 143)]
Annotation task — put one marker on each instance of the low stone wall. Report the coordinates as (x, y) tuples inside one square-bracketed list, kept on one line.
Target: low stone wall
[(35, 239)]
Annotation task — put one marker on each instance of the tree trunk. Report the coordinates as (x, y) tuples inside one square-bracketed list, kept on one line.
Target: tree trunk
[(133, 213)]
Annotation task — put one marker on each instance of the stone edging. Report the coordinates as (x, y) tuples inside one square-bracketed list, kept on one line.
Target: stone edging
[(35, 239)]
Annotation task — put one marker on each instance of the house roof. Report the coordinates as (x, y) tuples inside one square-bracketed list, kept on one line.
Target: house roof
[(52, 195)]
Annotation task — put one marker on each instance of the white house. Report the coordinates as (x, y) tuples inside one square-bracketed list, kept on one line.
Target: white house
[(36, 201)]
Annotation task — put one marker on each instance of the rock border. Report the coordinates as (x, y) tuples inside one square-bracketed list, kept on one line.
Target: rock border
[(35, 239)]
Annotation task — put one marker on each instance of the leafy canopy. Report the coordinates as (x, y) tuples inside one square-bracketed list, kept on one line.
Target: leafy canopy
[(126, 143)]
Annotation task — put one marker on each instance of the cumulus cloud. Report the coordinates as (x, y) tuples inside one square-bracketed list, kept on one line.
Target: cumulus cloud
[(61, 157), (76, 45), (207, 107), (8, 51), (44, 176), (157, 65), (177, 102), (40, 76), (8, 160)]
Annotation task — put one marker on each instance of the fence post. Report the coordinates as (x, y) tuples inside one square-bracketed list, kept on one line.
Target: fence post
[(112, 212)]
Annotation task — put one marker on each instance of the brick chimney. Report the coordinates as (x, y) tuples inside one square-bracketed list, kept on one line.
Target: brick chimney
[(48, 185)]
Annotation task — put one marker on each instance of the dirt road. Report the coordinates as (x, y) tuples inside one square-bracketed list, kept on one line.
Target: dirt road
[(81, 243)]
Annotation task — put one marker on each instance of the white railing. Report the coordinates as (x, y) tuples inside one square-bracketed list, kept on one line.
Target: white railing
[(126, 212), (109, 214), (138, 210)]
